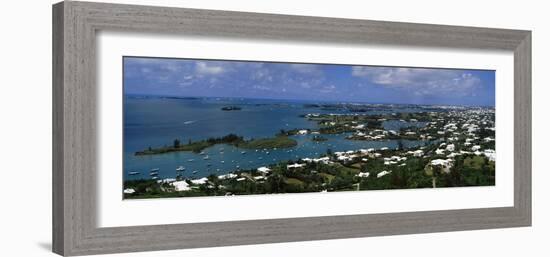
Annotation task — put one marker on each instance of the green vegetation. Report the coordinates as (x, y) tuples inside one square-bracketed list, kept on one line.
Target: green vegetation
[(469, 170), (457, 151), (231, 139), (276, 142)]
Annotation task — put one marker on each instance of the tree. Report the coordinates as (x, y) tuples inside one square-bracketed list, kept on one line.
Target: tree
[(433, 171), (176, 143), (276, 184)]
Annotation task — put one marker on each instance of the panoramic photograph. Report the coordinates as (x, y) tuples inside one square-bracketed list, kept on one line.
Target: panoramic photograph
[(195, 127)]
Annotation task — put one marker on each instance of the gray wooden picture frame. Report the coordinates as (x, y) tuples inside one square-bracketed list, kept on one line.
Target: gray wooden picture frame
[(75, 25)]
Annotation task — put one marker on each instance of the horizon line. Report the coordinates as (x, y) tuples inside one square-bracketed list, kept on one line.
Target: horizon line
[(309, 100)]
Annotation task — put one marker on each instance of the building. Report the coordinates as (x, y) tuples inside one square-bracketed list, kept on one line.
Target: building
[(131, 190), (450, 147), (295, 165), (446, 164), (383, 173), (363, 174)]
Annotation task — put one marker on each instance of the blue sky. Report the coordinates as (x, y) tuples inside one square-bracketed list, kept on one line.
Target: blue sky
[(318, 82)]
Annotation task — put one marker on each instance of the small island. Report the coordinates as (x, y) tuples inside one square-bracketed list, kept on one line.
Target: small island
[(231, 108), (278, 141)]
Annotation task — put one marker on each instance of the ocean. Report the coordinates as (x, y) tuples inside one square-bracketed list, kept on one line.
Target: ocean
[(157, 121)]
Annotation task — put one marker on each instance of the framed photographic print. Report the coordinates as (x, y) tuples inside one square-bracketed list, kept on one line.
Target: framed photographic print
[(183, 128)]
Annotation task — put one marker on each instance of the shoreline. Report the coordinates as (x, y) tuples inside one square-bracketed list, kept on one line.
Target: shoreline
[(279, 141), (389, 161)]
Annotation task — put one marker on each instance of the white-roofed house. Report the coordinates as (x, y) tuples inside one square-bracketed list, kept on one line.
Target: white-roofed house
[(445, 164), (450, 147), (363, 174), (264, 170), (383, 173), (295, 165), (181, 185), (129, 191)]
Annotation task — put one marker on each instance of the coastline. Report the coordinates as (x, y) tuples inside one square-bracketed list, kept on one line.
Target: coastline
[(414, 149), (279, 141)]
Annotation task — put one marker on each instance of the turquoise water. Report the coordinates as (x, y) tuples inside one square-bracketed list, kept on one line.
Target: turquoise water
[(154, 122)]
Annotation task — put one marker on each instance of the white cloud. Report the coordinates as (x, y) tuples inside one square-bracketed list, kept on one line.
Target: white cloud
[(208, 69), (420, 81), (327, 89)]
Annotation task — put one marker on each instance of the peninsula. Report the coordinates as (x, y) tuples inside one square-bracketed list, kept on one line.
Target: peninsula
[(279, 141)]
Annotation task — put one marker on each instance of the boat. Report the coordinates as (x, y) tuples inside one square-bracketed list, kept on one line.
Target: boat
[(195, 171), (243, 152), (190, 160), (222, 161), (202, 153), (180, 168), (155, 169), (206, 157), (132, 173), (153, 174), (155, 178)]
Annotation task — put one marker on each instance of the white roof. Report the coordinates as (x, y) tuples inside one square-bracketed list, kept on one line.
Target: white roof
[(264, 169), (363, 174), (383, 173), (129, 191), (440, 162), (295, 165), (227, 176), (199, 181), (259, 177), (343, 158), (181, 185)]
